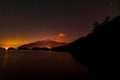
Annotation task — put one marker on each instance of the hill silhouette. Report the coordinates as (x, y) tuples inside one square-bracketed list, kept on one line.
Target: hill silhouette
[(99, 50), (42, 45)]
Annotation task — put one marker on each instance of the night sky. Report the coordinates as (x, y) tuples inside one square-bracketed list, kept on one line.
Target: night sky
[(24, 21)]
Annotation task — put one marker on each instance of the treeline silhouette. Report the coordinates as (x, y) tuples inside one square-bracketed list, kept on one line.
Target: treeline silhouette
[(99, 50)]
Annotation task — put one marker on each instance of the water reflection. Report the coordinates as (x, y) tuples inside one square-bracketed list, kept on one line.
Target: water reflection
[(5, 59), (41, 64)]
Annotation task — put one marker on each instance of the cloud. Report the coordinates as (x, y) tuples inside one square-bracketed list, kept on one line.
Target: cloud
[(61, 35), (58, 37)]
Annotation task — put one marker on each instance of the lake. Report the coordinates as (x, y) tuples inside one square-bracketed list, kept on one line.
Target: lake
[(43, 65)]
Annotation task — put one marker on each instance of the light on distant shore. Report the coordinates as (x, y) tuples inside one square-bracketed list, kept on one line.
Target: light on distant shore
[(6, 48)]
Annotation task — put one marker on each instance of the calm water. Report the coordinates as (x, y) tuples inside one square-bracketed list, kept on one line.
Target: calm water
[(40, 65)]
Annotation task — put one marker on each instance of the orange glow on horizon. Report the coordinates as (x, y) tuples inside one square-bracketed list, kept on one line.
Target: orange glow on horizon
[(60, 37), (13, 43)]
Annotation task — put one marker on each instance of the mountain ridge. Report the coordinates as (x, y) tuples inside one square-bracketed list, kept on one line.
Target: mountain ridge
[(43, 44)]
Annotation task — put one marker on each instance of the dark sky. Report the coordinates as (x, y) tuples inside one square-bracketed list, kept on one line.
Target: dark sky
[(23, 21)]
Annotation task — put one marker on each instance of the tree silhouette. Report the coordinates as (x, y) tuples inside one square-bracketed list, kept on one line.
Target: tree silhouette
[(99, 50)]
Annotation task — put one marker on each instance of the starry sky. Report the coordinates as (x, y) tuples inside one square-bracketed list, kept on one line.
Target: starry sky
[(24, 21)]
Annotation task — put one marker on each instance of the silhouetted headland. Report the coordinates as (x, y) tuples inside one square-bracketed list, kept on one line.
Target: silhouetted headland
[(22, 48), (11, 48), (99, 50), (37, 48)]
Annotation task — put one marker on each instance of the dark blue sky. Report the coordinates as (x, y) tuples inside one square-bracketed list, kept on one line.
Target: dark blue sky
[(31, 20)]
